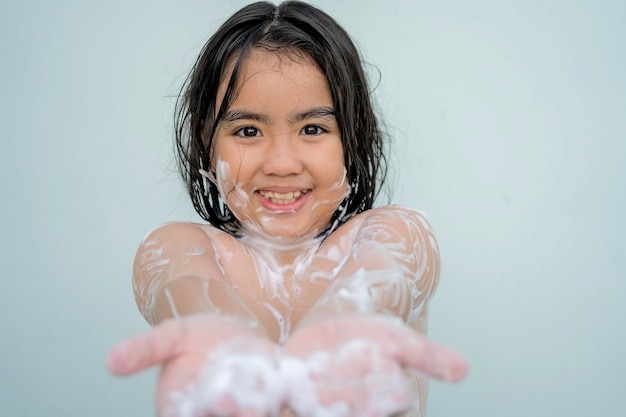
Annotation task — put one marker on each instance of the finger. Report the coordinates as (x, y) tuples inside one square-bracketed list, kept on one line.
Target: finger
[(412, 349), (430, 358), (148, 349)]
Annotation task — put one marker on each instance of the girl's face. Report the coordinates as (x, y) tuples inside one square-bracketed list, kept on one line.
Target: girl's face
[(277, 152)]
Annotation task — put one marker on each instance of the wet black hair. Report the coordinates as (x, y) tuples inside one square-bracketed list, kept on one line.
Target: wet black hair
[(291, 27)]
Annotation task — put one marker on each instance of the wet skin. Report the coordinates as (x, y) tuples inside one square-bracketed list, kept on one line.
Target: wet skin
[(278, 159)]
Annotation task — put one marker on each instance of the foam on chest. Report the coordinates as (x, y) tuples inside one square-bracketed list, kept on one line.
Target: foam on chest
[(280, 284)]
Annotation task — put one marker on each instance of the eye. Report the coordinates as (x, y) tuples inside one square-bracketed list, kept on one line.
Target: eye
[(312, 130), (248, 132)]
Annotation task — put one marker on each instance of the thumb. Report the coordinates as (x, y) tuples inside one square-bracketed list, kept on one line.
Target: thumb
[(146, 350), (430, 358)]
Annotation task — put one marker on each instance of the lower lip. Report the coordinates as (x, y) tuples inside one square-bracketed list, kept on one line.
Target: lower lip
[(283, 208)]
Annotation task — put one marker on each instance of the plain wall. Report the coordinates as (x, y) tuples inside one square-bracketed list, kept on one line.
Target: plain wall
[(508, 125)]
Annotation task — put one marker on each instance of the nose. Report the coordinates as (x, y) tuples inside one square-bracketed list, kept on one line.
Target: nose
[(282, 156)]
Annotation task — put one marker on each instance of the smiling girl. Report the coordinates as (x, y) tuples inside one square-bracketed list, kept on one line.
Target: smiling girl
[(298, 296)]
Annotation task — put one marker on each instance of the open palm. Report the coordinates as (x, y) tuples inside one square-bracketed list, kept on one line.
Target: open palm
[(209, 365), (357, 365)]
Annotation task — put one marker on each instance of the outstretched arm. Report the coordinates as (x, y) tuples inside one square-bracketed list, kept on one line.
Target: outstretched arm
[(357, 338), (200, 328), (393, 268), (177, 273)]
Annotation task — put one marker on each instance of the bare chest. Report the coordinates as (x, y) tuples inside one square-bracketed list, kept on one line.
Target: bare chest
[(280, 287)]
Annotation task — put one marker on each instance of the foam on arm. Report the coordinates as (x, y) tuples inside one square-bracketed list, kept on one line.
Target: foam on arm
[(393, 268), (177, 272)]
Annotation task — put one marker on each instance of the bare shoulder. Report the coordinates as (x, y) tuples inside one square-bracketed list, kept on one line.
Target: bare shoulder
[(395, 211), (170, 251), (394, 218), (182, 235), (400, 239), (176, 232), (172, 245)]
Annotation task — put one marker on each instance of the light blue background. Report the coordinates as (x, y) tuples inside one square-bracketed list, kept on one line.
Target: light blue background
[(508, 120)]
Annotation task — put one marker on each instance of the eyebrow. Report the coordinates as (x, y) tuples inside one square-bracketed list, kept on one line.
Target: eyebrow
[(316, 112), (322, 112), (235, 115)]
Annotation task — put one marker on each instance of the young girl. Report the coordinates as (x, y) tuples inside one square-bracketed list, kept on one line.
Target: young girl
[(298, 297)]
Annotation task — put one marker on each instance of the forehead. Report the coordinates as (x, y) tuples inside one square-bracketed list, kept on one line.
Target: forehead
[(288, 66)]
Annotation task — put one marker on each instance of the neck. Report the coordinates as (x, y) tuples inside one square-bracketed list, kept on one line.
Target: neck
[(285, 249)]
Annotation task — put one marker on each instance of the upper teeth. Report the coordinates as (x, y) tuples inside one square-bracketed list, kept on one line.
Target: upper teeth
[(272, 195)]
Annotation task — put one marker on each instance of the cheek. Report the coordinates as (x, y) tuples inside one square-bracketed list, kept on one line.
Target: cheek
[(229, 186), (337, 178), (235, 199), (224, 176), (227, 162), (339, 163)]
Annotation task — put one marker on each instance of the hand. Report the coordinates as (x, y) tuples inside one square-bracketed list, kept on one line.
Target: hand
[(210, 365), (356, 365)]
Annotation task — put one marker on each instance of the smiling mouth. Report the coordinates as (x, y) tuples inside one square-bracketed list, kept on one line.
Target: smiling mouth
[(282, 198)]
